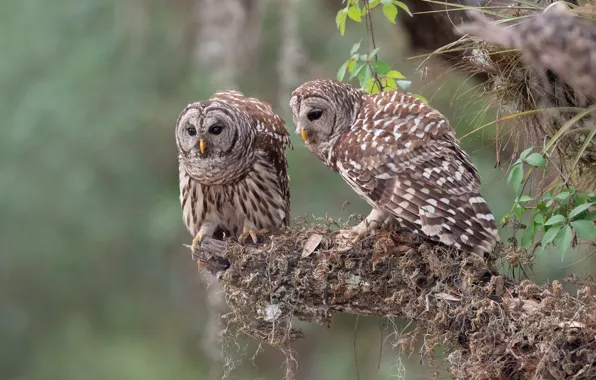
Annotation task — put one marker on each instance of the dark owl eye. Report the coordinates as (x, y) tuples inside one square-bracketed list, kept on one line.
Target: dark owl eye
[(215, 129), (314, 115), (191, 131)]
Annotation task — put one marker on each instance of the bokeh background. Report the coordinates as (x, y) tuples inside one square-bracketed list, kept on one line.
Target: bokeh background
[(94, 280)]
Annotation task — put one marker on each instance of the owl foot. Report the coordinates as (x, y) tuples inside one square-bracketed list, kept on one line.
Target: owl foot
[(371, 224), (356, 233), (253, 235), (196, 244)]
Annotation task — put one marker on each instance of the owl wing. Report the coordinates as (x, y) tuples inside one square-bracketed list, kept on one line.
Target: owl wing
[(403, 158), (272, 138)]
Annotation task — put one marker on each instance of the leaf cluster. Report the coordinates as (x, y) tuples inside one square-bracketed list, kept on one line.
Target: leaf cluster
[(354, 11), (373, 75), (563, 214)]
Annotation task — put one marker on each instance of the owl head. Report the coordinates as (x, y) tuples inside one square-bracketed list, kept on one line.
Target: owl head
[(323, 110), (215, 141)]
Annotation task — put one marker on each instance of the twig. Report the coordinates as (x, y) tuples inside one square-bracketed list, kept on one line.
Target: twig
[(369, 28), (354, 347)]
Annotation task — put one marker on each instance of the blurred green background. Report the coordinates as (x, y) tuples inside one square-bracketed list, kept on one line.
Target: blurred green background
[(94, 280)]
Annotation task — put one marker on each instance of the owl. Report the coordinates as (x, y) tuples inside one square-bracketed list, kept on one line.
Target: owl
[(233, 169), (399, 155)]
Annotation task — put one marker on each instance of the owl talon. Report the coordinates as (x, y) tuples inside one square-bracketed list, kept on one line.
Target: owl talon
[(354, 234), (196, 242), (253, 235)]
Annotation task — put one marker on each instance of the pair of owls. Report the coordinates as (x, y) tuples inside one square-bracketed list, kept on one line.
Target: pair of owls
[(396, 152)]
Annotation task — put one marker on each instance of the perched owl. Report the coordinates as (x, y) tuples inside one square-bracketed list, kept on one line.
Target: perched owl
[(401, 156), (233, 169)]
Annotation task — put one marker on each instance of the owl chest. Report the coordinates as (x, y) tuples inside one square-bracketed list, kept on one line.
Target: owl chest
[(209, 204)]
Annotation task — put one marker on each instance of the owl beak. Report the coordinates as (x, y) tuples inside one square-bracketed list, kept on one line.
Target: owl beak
[(304, 134), (202, 145)]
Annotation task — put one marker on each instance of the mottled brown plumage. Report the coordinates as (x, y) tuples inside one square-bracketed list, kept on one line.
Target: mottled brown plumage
[(233, 170), (401, 156)]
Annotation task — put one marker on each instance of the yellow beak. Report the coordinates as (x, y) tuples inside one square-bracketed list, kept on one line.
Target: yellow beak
[(202, 145), (303, 134)]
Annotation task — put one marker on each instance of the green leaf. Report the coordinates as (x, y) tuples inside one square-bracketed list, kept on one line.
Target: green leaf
[(355, 47), (340, 20), (579, 209), (585, 229), (373, 3), (555, 220), (525, 153), (528, 236), (591, 216), (403, 6), (518, 210), (390, 11), (404, 84), (385, 2), (373, 53), (354, 13), (505, 219), (546, 196), (516, 175), (351, 64), (525, 198), (563, 240), (548, 237), (357, 68), (562, 195), (364, 76), (538, 219), (381, 68), (341, 73), (395, 75), (372, 86), (390, 84), (536, 159)]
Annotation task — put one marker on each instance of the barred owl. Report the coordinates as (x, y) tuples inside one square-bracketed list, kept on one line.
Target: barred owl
[(233, 169), (401, 156)]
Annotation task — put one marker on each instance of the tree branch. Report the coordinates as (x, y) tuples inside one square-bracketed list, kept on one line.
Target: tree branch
[(487, 325)]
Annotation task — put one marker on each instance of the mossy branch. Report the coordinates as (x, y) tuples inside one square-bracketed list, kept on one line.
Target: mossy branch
[(488, 326)]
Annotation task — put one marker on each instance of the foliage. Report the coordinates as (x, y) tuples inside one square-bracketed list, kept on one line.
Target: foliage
[(373, 75), (563, 214)]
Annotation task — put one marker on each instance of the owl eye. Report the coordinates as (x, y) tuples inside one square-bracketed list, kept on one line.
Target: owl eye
[(192, 131), (314, 115), (215, 129)]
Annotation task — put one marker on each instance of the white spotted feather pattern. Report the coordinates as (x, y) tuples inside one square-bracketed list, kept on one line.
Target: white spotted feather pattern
[(403, 158)]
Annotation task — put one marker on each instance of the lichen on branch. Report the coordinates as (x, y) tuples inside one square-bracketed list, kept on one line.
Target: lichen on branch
[(487, 325)]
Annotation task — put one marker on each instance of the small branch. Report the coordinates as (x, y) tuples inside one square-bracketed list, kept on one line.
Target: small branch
[(488, 326), (369, 28)]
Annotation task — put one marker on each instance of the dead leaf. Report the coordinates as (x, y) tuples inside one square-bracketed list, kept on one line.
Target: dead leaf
[(572, 325), (311, 244), (530, 306), (446, 296)]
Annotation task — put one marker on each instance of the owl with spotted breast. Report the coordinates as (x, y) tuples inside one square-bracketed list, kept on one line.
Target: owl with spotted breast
[(233, 169), (399, 155)]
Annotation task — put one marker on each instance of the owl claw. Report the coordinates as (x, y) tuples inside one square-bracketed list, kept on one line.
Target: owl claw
[(196, 244), (369, 225), (354, 234), (253, 235)]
